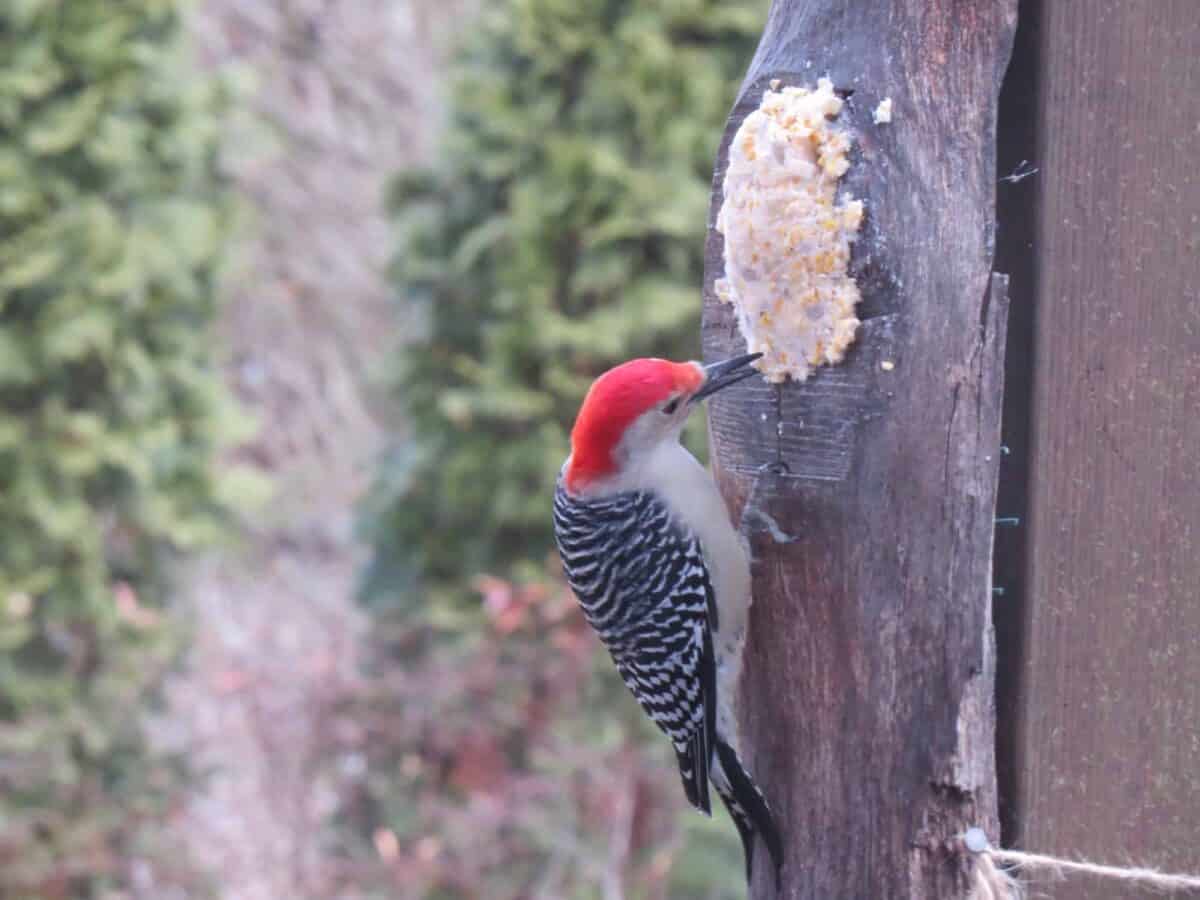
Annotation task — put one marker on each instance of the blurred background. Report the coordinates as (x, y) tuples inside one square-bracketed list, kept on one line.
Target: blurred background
[(298, 299)]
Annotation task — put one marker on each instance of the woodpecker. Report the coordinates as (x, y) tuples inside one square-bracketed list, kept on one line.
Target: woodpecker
[(661, 573)]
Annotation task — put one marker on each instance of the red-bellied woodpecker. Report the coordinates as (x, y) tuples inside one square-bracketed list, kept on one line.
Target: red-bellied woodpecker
[(661, 573)]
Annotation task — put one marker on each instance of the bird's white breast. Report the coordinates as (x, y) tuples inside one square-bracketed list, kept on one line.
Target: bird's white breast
[(690, 493)]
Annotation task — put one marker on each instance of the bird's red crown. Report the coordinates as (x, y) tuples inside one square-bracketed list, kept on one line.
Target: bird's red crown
[(614, 401)]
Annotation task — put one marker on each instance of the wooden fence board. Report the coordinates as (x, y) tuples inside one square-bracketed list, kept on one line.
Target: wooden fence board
[(1106, 694)]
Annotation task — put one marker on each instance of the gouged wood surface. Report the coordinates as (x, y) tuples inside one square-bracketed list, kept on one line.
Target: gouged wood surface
[(866, 705)]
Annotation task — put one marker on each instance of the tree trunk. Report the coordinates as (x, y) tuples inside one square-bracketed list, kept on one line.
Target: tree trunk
[(867, 698)]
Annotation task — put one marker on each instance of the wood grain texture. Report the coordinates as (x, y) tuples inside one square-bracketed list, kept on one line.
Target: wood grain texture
[(1108, 708), (867, 700)]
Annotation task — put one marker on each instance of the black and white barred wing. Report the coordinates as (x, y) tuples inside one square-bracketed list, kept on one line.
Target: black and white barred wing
[(644, 587)]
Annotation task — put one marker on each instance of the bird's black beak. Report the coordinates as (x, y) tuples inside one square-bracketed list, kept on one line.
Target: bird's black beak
[(720, 375)]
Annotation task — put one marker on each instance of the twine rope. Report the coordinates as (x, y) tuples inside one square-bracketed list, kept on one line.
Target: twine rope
[(995, 883)]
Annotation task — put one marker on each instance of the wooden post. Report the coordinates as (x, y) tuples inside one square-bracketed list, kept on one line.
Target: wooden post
[(867, 707), (1102, 708)]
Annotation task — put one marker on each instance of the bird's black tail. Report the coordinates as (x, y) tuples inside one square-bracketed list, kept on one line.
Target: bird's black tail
[(748, 808), (693, 762)]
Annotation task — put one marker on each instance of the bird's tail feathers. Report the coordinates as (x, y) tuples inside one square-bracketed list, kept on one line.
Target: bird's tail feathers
[(747, 807), (694, 770)]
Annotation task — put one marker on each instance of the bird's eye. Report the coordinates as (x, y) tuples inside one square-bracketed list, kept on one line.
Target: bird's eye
[(670, 408)]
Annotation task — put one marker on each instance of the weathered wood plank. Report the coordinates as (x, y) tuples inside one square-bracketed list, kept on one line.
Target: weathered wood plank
[(1107, 719), (867, 701)]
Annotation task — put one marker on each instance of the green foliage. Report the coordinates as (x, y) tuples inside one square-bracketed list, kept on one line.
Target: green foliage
[(561, 233), (111, 223)]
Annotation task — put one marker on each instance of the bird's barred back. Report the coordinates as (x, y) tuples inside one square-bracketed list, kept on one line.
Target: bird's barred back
[(644, 587)]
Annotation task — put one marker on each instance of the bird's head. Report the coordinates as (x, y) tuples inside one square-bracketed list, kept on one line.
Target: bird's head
[(635, 407)]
